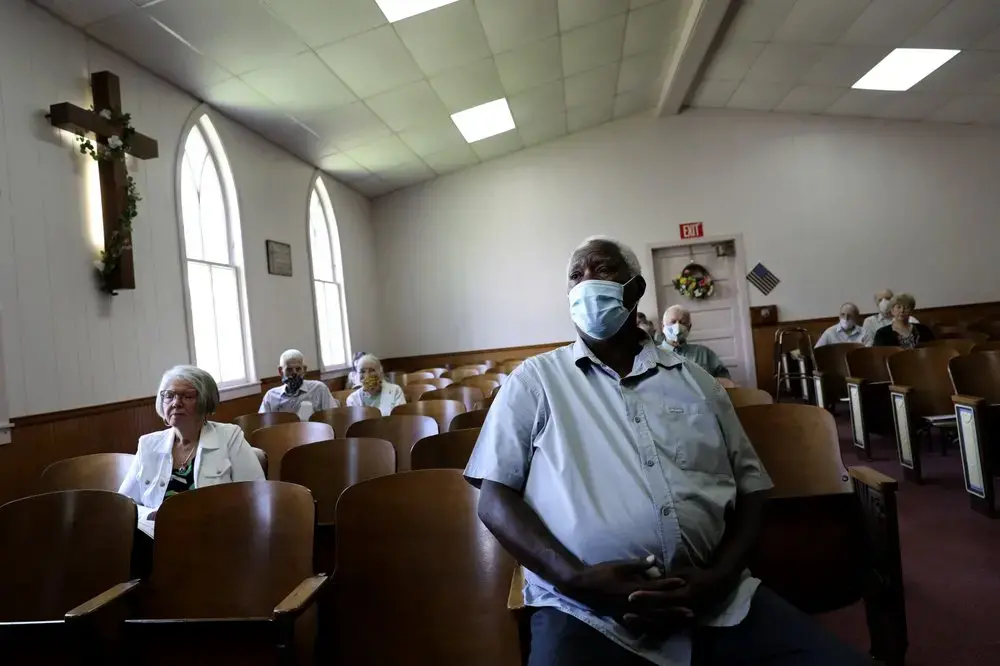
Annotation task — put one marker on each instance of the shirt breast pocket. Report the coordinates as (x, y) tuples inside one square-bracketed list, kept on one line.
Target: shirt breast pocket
[(693, 436), (217, 471)]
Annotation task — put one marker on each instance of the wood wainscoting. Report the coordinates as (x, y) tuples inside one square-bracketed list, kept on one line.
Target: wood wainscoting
[(39, 440), (763, 336)]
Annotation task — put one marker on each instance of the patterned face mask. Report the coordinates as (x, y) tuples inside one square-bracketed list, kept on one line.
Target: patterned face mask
[(371, 383), (292, 383)]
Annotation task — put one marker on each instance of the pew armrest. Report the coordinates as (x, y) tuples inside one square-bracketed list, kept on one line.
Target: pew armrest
[(515, 596), (968, 400), (874, 479), (95, 605), (900, 389), (299, 599)]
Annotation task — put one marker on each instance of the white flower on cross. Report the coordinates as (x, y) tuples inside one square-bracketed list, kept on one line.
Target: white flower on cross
[(114, 143), (106, 114), (99, 265)]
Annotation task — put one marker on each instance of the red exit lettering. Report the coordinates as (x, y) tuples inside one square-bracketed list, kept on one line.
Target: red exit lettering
[(692, 230)]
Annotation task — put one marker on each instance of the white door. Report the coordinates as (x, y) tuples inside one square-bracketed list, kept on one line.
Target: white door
[(721, 322)]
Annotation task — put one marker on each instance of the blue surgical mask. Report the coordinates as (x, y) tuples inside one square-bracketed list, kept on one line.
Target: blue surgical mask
[(676, 332), (597, 308)]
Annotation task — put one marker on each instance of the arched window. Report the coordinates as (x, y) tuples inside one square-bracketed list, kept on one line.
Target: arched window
[(328, 280), (213, 252)]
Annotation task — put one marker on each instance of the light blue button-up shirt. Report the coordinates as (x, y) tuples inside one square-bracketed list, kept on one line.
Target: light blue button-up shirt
[(622, 469), (317, 393)]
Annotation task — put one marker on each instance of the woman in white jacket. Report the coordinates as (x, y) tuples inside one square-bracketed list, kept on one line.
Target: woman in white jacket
[(375, 391), (193, 452)]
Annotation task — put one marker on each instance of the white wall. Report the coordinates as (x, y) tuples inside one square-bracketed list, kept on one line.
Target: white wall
[(835, 208), (66, 344)]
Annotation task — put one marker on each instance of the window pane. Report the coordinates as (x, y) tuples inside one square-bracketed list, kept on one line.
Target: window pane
[(206, 351), (196, 149), (319, 245), (213, 216), (190, 215), (335, 322), (229, 325), (323, 316)]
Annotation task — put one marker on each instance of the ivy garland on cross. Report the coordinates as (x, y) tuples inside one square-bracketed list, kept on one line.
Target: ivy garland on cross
[(115, 150)]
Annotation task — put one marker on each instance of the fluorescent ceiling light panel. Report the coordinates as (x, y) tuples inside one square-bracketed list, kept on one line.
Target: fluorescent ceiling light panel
[(397, 10), (485, 120), (904, 68)]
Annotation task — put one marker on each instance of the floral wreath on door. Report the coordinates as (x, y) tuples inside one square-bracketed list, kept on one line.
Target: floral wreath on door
[(695, 282)]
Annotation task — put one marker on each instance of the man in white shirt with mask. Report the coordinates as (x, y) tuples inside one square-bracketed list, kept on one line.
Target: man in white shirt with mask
[(297, 394), (881, 318), (845, 330), (676, 329)]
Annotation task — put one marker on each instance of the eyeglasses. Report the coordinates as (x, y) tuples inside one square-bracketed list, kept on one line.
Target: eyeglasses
[(170, 396)]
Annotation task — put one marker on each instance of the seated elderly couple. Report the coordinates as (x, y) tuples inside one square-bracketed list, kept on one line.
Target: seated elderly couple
[(302, 396), (618, 474), (892, 326), (194, 452)]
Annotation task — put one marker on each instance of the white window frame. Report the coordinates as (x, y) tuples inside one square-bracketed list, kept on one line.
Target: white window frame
[(319, 188), (201, 121)]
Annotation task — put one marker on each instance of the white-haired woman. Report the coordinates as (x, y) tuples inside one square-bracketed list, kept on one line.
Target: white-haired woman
[(375, 391), (902, 332), (192, 452)]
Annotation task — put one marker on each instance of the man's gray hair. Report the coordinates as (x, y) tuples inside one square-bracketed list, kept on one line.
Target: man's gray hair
[(203, 383), (631, 261), (290, 355), (679, 310), (369, 359)]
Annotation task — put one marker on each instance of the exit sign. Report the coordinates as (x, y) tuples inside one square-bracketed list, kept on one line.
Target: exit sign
[(692, 230)]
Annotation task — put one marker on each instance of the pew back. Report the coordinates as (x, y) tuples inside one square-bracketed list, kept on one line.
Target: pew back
[(98, 471), (403, 430)]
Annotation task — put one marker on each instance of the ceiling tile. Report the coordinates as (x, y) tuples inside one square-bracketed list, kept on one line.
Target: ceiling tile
[(843, 65), (542, 129), (714, 94), (137, 36), (809, 99), (785, 63), (758, 96), (445, 38), (652, 27), (597, 85), (372, 62), (575, 13), (468, 86), (631, 103), (433, 137), (544, 101), (511, 24), (912, 105), (382, 154), (958, 26), (373, 186), (406, 175), (452, 159), (321, 22), (81, 14), (408, 106), (890, 22), (235, 93), (861, 102), (640, 72), (585, 117), (990, 42), (343, 167), (965, 73), (498, 145), (300, 84), (530, 66), (819, 21), (635, 4), (968, 109), (347, 127), (758, 19), (593, 45), (733, 60), (241, 36), (991, 87)]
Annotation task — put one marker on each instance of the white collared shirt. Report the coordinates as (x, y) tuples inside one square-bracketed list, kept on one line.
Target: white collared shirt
[(622, 468), (314, 392), (835, 335), (223, 456)]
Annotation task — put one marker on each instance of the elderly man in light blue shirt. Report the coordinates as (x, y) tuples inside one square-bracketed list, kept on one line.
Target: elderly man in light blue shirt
[(297, 394), (620, 478)]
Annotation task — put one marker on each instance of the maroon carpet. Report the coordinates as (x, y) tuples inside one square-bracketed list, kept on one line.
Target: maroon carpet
[(951, 564)]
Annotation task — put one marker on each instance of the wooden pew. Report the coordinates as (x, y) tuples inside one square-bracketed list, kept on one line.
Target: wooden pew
[(921, 388), (868, 395), (403, 430), (976, 380), (277, 440), (444, 451), (829, 535), (830, 374), (342, 418), (98, 471), (251, 422)]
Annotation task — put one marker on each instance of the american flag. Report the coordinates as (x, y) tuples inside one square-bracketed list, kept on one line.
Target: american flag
[(763, 279)]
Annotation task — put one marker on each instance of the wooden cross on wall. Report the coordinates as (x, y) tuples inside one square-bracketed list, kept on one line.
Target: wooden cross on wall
[(114, 178)]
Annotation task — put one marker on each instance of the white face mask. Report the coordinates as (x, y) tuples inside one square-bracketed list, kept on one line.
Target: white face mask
[(676, 332), (883, 306), (846, 323)]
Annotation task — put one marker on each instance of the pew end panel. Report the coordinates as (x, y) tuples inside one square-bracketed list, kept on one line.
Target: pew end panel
[(870, 412), (907, 450), (975, 419)]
